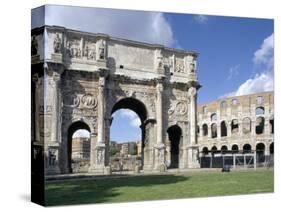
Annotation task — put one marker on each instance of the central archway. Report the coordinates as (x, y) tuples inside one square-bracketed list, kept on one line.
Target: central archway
[(140, 110), (174, 133)]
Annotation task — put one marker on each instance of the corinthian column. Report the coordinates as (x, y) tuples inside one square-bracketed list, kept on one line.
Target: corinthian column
[(98, 146), (56, 109), (101, 110), (192, 115), (159, 113), (52, 114), (193, 147), (159, 156)]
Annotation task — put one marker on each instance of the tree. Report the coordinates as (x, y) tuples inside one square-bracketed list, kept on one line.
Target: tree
[(113, 151)]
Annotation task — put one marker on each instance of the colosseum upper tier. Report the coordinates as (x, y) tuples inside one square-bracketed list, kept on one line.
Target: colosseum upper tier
[(240, 123)]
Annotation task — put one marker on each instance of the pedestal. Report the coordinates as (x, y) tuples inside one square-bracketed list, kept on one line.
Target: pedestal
[(52, 165), (193, 157), (159, 158), (98, 163)]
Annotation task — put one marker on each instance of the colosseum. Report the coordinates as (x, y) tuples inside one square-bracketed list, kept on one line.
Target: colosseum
[(241, 124)]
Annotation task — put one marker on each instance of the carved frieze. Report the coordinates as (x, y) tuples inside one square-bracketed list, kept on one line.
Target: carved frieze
[(73, 48), (179, 65), (34, 46), (102, 50), (191, 63), (89, 51), (57, 44)]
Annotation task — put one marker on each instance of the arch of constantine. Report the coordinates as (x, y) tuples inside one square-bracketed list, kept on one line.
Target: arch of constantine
[(80, 79)]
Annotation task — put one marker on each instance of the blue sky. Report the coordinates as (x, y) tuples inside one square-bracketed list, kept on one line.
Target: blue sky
[(236, 54)]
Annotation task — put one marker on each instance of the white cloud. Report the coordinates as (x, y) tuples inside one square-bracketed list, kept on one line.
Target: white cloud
[(81, 133), (151, 27), (264, 55), (264, 80), (201, 19), (132, 116), (233, 71)]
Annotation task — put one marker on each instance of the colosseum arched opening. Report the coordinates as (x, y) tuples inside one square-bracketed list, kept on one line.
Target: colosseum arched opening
[(259, 125), (260, 152), (223, 129)]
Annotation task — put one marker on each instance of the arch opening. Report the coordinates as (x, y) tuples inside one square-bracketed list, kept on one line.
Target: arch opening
[(127, 134), (271, 148), (214, 130), (260, 152), (205, 130), (205, 150), (214, 117), (223, 129), (234, 126), (259, 111), (235, 148), (247, 148), (132, 104), (271, 122), (214, 148), (78, 147), (174, 134), (260, 125), (224, 149)]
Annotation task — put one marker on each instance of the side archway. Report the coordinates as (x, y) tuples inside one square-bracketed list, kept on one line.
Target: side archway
[(174, 134), (78, 125)]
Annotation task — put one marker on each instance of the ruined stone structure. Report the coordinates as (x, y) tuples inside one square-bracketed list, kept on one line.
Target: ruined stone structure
[(80, 79), (240, 123), (80, 148)]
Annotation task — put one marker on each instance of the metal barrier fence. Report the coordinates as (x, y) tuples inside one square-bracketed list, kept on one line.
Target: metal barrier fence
[(235, 159)]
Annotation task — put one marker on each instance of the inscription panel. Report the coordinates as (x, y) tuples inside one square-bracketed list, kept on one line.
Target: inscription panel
[(132, 57)]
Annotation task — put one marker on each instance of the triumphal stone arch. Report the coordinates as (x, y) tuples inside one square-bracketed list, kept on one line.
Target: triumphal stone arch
[(80, 79)]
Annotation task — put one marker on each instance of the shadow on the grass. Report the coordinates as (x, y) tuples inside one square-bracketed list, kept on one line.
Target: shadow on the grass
[(101, 190)]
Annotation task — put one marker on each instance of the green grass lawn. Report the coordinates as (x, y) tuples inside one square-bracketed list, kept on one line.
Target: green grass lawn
[(158, 187)]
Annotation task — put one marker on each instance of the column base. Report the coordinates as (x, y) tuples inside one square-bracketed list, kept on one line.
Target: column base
[(159, 158), (52, 162)]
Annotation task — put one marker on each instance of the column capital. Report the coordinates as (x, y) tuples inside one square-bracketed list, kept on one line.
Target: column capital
[(51, 68), (192, 91)]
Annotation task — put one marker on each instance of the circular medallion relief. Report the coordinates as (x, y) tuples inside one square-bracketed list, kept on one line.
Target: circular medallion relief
[(181, 108), (89, 101)]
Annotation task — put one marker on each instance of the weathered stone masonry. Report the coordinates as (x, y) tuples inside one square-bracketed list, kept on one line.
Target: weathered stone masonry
[(80, 79), (239, 123)]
